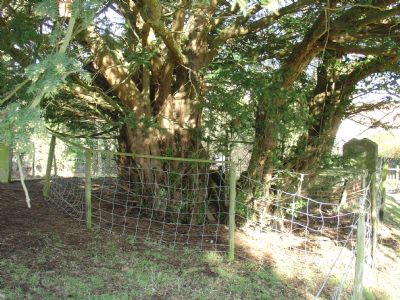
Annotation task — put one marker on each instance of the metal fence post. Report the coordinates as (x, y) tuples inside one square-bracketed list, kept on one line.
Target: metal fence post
[(88, 188), (5, 163), (232, 209), (46, 188)]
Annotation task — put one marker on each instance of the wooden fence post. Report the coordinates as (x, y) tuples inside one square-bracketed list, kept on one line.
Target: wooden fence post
[(374, 214), (88, 188), (232, 209), (382, 190), (360, 251), (46, 188), (364, 154)]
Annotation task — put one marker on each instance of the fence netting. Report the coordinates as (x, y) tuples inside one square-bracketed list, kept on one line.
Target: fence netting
[(305, 225)]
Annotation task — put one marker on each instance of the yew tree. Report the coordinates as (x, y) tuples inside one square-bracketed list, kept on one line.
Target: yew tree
[(142, 71)]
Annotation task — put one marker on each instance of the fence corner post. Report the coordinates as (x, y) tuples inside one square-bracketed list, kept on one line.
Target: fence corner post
[(232, 210), (88, 188), (46, 188)]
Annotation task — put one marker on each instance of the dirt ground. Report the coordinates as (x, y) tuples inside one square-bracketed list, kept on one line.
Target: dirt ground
[(17, 222), (44, 254)]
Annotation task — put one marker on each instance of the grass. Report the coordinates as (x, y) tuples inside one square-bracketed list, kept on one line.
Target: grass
[(53, 259), (388, 258), (392, 221), (392, 213), (110, 269)]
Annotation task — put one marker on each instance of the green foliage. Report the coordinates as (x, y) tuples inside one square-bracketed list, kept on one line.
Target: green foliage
[(333, 161), (23, 32), (295, 207), (239, 85), (140, 58), (17, 125), (231, 77), (84, 9), (46, 8), (48, 75)]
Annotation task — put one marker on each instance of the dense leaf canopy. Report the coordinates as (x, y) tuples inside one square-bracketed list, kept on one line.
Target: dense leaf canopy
[(171, 74)]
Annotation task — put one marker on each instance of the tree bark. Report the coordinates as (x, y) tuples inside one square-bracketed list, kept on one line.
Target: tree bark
[(328, 107)]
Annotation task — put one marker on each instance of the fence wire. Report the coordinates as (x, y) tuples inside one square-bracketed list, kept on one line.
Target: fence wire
[(303, 225)]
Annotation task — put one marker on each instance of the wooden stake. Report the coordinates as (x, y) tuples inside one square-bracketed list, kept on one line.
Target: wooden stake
[(232, 208), (374, 215), (360, 254)]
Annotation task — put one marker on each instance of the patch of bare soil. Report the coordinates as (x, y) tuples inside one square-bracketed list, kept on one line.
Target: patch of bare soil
[(18, 223)]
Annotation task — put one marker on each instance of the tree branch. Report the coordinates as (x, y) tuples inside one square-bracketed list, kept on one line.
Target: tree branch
[(237, 30), (383, 51), (116, 75), (150, 11), (354, 109), (305, 51), (376, 16)]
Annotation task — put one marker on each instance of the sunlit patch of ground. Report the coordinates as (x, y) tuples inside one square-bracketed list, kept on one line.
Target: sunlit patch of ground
[(386, 274), (309, 259)]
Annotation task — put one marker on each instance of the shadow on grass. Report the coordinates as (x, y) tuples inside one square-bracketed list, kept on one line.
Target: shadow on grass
[(392, 212), (46, 255), (114, 268), (392, 221)]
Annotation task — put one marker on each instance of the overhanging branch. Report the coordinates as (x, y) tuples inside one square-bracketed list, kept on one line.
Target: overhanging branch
[(239, 29)]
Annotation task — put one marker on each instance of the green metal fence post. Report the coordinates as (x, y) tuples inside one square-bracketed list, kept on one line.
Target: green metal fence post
[(5, 163), (88, 188), (232, 209), (46, 188)]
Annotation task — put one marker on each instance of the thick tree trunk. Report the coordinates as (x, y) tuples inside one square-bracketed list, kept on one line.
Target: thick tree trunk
[(171, 186), (269, 113), (317, 144), (326, 108)]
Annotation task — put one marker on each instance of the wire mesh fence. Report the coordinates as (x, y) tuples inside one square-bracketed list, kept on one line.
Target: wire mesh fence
[(173, 202), (303, 224), (307, 227)]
